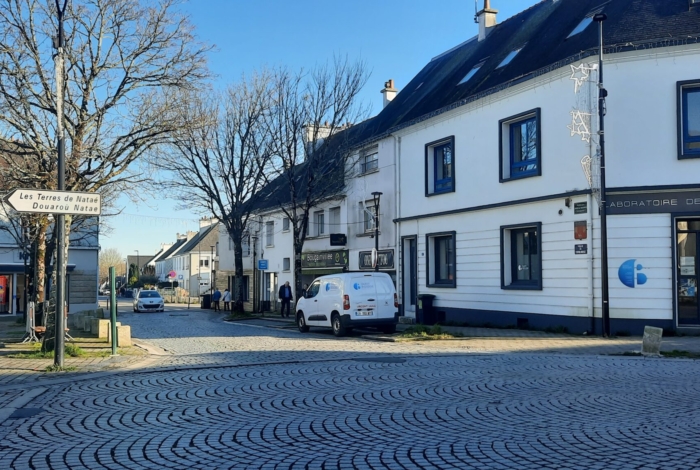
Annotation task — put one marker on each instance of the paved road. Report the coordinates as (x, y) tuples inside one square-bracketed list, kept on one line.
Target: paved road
[(351, 403)]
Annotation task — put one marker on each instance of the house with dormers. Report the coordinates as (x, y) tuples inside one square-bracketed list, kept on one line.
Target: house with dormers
[(501, 135), (489, 166)]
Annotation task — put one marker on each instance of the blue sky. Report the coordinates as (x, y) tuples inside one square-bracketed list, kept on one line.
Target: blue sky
[(395, 39)]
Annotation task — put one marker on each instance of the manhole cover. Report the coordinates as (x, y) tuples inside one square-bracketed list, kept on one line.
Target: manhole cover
[(26, 413)]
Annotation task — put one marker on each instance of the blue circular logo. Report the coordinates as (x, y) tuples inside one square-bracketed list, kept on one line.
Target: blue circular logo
[(626, 273), (357, 286)]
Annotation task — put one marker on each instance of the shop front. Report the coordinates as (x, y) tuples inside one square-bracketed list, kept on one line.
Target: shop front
[(385, 262), (683, 209), (320, 263)]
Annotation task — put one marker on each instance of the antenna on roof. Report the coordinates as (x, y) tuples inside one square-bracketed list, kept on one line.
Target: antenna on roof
[(476, 11)]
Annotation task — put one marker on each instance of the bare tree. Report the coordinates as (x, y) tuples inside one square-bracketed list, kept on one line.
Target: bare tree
[(313, 140), (219, 158), (125, 59), (111, 257)]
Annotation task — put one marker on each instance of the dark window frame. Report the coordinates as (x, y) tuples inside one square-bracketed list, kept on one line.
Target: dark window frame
[(451, 284), (681, 105), (515, 284), (431, 163), (371, 165), (508, 124)]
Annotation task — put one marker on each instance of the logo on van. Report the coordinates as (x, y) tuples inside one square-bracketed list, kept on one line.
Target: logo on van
[(626, 273), (357, 286)]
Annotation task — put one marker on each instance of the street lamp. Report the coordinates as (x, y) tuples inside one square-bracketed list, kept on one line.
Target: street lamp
[(211, 268), (255, 275), (602, 93), (376, 195)]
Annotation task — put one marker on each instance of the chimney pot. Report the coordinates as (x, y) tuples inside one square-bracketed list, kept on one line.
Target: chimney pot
[(486, 19)]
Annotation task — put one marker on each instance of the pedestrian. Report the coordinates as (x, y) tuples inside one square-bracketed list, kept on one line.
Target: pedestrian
[(216, 298), (227, 300), (285, 295)]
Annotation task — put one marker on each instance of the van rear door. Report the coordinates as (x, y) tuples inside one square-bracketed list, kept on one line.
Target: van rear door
[(362, 291), (385, 296)]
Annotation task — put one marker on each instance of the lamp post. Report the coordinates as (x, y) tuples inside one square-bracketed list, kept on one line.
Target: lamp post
[(211, 268), (376, 195), (255, 275), (602, 94)]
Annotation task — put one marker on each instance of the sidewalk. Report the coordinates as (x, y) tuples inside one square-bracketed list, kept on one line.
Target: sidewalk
[(495, 340), (97, 356)]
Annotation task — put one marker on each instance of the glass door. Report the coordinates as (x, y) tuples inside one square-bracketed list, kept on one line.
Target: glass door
[(687, 271)]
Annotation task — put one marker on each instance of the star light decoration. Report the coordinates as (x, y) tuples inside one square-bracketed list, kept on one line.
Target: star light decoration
[(579, 74), (579, 125)]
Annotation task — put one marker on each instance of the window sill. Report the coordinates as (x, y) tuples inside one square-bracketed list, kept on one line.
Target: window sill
[(522, 287), (316, 237), (368, 234), (520, 177), (269, 246), (452, 285), (445, 191), (369, 172)]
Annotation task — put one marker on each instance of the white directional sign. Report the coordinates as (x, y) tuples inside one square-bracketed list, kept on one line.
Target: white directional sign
[(54, 202)]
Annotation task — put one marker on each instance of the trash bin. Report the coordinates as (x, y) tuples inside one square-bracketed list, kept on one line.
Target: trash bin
[(206, 301), (426, 311)]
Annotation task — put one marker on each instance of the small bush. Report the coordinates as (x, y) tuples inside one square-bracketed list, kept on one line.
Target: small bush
[(74, 350)]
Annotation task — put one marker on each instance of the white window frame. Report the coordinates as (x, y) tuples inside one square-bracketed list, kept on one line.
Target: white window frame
[(334, 220), (369, 212), (285, 224), (320, 223), (270, 233), (286, 264)]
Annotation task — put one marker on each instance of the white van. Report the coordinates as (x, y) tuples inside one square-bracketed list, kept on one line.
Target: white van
[(348, 300)]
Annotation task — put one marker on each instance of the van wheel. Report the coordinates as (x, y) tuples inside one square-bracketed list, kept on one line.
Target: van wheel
[(338, 328), (301, 323), (389, 329)]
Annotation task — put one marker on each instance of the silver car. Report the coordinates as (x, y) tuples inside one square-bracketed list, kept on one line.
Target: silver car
[(149, 301)]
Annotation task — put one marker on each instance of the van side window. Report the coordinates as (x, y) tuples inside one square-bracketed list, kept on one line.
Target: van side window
[(313, 290)]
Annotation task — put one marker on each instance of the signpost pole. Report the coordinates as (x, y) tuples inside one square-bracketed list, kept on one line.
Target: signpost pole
[(59, 329)]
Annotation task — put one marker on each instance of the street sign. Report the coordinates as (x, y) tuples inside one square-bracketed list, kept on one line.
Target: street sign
[(38, 201), (172, 274), (262, 264)]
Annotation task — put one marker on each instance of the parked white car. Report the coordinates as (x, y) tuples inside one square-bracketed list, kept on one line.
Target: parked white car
[(348, 300), (148, 301)]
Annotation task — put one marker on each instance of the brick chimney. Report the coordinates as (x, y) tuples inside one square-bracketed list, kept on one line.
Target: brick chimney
[(486, 19), (389, 91)]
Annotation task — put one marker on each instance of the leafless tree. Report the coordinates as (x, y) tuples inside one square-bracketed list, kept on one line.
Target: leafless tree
[(111, 257), (218, 160), (313, 140), (124, 61)]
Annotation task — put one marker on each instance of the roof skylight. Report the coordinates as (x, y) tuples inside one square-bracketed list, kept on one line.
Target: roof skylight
[(581, 26), (471, 73), (508, 58), (588, 19)]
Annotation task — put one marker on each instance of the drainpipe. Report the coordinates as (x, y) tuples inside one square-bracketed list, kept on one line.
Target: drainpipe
[(591, 286)]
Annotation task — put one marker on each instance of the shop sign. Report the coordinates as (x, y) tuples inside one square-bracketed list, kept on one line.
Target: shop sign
[(653, 203), (385, 259), (580, 207), (325, 259)]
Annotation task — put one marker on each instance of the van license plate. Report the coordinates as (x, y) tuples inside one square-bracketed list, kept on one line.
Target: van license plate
[(364, 313)]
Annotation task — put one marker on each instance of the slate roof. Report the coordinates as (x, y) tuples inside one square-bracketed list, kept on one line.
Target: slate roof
[(194, 241), (541, 33), (169, 252)]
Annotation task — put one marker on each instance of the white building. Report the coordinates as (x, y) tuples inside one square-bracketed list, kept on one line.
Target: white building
[(504, 229)]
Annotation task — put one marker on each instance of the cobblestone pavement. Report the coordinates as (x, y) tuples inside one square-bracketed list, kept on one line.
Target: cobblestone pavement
[(373, 412)]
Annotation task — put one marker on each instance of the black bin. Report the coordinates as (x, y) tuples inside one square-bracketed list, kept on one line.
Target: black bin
[(206, 301), (426, 310)]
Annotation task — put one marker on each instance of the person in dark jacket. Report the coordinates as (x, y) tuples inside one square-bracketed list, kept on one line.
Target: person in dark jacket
[(216, 298), (285, 295)]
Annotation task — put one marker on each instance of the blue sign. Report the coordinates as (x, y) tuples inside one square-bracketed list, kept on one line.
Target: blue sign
[(627, 274), (180, 276), (262, 264)]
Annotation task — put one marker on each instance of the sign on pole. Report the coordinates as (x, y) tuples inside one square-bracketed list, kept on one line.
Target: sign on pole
[(54, 202)]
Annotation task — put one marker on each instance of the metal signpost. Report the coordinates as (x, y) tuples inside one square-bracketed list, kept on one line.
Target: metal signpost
[(58, 203)]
